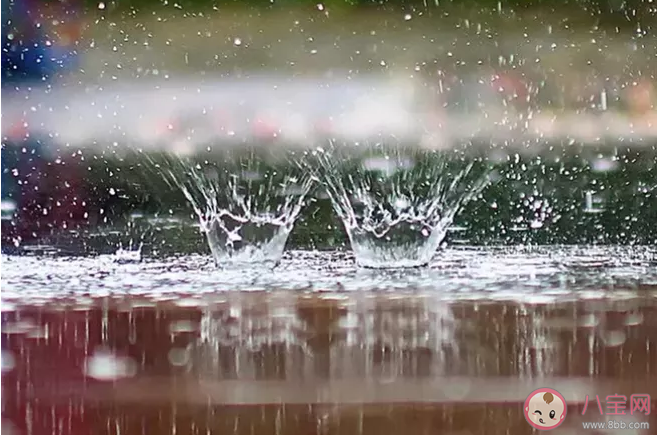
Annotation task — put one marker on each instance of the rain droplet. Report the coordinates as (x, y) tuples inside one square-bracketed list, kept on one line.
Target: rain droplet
[(237, 42), (101, 6), (604, 165), (536, 224)]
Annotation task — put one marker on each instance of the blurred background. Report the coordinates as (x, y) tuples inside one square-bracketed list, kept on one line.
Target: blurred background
[(590, 63)]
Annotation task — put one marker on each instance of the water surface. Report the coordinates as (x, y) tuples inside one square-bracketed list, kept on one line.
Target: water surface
[(113, 344)]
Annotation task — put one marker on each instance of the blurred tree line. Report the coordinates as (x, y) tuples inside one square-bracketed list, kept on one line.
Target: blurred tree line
[(614, 14), (625, 9), (594, 5)]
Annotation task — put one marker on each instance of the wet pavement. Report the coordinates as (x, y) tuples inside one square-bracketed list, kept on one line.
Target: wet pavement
[(452, 349)]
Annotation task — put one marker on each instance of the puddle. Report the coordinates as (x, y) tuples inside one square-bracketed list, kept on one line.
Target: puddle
[(91, 345)]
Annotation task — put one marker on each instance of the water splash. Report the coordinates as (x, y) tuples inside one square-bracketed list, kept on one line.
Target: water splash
[(246, 204), (396, 204)]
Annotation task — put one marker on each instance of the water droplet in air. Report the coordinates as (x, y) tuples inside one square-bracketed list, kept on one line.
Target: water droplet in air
[(536, 224)]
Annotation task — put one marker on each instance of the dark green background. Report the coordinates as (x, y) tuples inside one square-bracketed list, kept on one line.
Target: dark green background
[(621, 14), (628, 194)]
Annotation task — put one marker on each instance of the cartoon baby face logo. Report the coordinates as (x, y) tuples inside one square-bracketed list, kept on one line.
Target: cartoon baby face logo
[(545, 409)]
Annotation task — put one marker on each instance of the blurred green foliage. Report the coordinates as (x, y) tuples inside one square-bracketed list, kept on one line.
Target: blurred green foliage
[(625, 8), (615, 15)]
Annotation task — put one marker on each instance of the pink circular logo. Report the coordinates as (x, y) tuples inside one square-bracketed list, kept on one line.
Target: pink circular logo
[(545, 409)]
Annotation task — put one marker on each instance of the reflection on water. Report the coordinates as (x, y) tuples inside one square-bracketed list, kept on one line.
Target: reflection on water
[(316, 362)]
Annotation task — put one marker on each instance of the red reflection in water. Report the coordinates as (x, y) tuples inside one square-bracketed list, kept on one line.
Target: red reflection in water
[(283, 363)]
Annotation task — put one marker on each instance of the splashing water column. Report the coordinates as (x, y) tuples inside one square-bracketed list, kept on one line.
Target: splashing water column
[(396, 204), (247, 203)]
